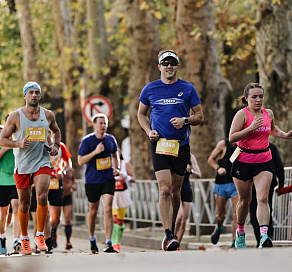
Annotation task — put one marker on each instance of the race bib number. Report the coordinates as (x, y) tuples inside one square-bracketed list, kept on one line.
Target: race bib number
[(103, 163), (167, 147), (235, 154), (119, 184), (36, 134), (54, 184)]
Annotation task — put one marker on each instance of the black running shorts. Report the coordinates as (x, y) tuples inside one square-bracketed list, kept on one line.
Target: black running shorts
[(95, 190), (186, 196), (33, 203), (55, 197), (176, 165), (67, 200), (6, 194), (246, 171)]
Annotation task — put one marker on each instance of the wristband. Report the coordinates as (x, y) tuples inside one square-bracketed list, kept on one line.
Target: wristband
[(218, 167), (128, 178), (57, 145)]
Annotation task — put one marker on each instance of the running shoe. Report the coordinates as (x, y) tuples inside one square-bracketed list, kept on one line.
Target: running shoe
[(265, 241), (16, 247), (240, 240), (232, 244), (117, 248), (93, 247), (36, 251), (55, 241), (40, 243), (49, 243), (108, 248), (26, 250), (69, 245), (215, 236), (170, 243), (3, 248)]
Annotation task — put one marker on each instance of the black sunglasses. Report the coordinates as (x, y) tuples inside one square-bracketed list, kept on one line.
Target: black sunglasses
[(166, 63)]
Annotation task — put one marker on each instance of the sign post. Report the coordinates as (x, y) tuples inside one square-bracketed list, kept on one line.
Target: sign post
[(97, 104)]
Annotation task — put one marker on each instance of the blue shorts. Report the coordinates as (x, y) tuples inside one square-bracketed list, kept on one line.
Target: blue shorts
[(225, 190)]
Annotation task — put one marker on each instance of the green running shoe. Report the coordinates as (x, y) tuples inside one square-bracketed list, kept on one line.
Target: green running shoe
[(240, 240), (265, 241)]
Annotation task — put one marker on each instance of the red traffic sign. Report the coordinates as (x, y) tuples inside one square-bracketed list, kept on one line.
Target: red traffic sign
[(97, 104)]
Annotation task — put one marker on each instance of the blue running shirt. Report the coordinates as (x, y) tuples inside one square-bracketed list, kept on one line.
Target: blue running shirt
[(168, 101), (88, 144)]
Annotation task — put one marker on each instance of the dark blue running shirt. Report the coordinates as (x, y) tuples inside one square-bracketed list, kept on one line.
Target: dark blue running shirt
[(88, 144), (168, 101)]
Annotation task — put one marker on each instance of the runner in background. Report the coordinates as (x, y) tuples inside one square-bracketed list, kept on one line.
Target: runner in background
[(186, 197), (122, 200)]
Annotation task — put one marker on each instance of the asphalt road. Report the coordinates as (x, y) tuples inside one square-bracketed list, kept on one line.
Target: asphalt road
[(137, 259), (274, 259)]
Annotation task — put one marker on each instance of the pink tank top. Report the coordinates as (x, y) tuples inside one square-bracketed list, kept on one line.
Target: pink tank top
[(256, 140)]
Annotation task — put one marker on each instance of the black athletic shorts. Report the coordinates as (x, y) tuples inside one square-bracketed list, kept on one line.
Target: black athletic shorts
[(67, 200), (55, 197), (95, 190), (33, 202), (186, 194), (6, 194), (176, 165), (246, 171)]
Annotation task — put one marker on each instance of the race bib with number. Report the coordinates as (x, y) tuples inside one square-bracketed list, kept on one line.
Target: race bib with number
[(36, 134), (167, 147), (54, 184), (103, 163), (119, 184), (235, 154)]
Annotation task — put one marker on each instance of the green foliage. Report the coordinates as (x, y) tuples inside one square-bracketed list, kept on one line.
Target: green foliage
[(11, 55), (10, 62), (118, 39), (235, 33), (44, 32), (234, 20)]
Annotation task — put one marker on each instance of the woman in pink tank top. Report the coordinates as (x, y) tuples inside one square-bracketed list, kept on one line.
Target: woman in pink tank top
[(250, 128)]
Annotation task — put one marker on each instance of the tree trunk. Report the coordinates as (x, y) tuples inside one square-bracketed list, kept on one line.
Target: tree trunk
[(70, 76), (31, 71), (195, 30), (274, 58), (144, 48), (97, 38)]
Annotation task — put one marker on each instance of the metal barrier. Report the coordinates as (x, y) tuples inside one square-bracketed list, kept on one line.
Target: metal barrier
[(145, 208), (282, 211)]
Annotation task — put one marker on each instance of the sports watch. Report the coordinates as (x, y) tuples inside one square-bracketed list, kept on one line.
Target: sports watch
[(186, 120)]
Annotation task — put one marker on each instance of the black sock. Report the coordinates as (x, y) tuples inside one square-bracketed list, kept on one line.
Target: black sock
[(54, 232), (168, 232), (68, 232)]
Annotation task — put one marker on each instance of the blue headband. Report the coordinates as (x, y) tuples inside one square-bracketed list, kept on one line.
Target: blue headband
[(29, 86)]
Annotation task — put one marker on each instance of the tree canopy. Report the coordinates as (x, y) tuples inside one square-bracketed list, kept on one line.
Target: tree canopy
[(111, 71)]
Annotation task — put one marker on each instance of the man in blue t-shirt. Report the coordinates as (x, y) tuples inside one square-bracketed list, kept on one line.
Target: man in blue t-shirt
[(169, 129), (98, 151)]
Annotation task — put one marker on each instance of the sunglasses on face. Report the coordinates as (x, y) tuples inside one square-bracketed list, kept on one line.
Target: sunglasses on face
[(166, 63)]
